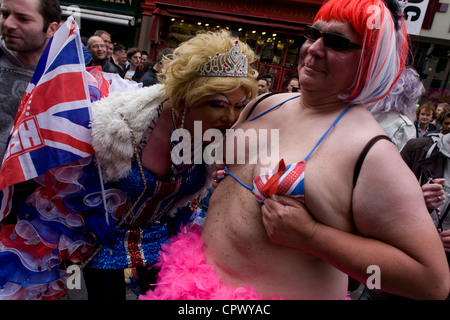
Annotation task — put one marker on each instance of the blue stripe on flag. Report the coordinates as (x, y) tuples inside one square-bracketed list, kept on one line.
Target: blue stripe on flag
[(53, 157), (79, 116), (68, 55), (42, 64)]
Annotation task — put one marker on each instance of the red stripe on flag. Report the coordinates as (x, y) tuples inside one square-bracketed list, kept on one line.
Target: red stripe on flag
[(11, 173), (67, 139), (62, 88), (5, 205)]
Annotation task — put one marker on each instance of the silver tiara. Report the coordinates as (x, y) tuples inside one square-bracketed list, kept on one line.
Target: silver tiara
[(230, 64)]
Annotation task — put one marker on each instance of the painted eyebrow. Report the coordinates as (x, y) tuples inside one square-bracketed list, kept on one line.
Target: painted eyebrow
[(244, 99), (222, 98), (219, 98)]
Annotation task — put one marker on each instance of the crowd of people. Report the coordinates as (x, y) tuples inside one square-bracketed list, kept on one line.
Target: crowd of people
[(113, 57), (266, 84), (375, 192)]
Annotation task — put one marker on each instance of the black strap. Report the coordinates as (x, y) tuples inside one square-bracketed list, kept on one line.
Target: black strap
[(363, 155), (261, 99)]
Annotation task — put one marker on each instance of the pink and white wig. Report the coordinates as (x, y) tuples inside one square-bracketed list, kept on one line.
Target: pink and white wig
[(384, 41)]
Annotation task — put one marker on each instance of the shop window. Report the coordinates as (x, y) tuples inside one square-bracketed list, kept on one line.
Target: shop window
[(432, 63), (276, 54)]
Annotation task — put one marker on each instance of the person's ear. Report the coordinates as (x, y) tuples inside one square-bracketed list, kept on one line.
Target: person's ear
[(52, 27)]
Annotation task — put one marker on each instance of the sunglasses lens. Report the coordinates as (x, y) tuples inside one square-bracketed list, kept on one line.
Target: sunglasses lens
[(312, 33), (336, 42), (331, 40)]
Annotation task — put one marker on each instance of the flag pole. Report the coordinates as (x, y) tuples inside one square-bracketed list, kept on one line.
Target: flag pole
[(105, 205)]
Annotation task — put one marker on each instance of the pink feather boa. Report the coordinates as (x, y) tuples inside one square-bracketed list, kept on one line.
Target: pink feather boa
[(185, 275)]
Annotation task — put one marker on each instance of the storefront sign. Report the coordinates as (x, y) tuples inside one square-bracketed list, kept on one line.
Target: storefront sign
[(301, 13), (127, 7), (414, 11)]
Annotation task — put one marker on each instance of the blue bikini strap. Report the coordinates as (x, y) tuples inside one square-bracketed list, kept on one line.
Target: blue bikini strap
[(317, 144), (237, 179), (274, 107), (329, 129)]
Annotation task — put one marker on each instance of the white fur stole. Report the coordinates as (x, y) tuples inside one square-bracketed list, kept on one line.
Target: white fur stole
[(116, 121)]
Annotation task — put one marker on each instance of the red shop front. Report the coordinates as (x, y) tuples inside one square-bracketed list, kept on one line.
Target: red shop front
[(274, 29)]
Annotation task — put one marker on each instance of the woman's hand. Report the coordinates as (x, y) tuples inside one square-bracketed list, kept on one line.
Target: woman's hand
[(287, 221), (434, 194)]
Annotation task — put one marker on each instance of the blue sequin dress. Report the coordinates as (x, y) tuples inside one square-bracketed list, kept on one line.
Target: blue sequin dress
[(146, 227), (139, 239)]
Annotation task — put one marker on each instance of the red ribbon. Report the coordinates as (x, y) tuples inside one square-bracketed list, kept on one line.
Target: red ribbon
[(272, 184)]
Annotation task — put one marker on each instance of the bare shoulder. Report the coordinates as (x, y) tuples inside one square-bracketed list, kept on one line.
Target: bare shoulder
[(387, 194)]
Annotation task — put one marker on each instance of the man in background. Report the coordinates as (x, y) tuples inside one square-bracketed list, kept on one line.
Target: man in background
[(98, 49), (425, 114), (293, 85), (118, 52), (263, 86), (269, 79), (144, 58), (26, 27), (151, 76), (106, 36)]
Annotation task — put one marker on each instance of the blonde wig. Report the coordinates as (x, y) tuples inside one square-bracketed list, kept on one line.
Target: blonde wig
[(184, 85)]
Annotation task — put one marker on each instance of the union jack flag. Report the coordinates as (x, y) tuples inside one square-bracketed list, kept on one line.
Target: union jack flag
[(51, 125)]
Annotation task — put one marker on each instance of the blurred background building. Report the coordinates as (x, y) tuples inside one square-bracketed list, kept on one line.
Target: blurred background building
[(274, 29)]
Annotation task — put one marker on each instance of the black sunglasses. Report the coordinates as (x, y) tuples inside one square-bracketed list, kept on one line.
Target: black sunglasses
[(330, 40)]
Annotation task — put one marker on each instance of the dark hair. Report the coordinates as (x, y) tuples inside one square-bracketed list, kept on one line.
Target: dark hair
[(84, 40), (131, 52), (267, 76), (100, 32), (50, 11), (162, 54), (147, 64), (119, 47), (264, 79), (396, 12), (444, 115)]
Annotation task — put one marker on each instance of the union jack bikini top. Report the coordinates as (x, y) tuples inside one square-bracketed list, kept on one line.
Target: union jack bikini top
[(287, 180)]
